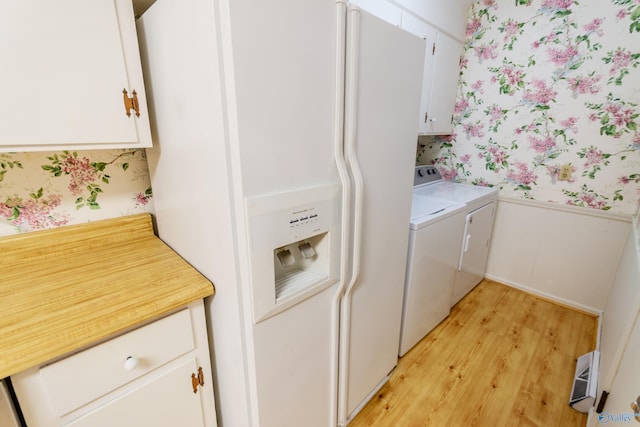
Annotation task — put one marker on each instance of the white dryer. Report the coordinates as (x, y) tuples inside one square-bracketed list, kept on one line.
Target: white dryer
[(481, 205), (435, 237)]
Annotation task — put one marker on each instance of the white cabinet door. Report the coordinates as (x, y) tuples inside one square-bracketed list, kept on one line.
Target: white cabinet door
[(440, 83), (8, 416), (166, 401), (431, 35), (99, 387), (382, 9), (449, 15), (65, 67)]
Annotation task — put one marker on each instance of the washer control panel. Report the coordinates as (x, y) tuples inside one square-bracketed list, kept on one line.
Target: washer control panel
[(425, 174)]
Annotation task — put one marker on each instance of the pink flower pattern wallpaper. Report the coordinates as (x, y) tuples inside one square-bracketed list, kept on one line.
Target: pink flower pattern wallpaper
[(548, 86), (50, 189), (545, 86)]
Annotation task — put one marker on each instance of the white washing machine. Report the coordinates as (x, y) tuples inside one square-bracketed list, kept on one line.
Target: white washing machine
[(435, 238), (481, 205)]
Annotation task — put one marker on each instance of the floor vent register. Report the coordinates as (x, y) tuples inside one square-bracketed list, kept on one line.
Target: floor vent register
[(585, 382)]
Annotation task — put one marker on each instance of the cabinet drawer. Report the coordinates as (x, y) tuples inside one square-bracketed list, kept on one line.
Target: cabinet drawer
[(85, 376)]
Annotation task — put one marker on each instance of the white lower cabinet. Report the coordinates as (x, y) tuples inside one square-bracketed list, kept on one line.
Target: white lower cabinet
[(157, 375), (163, 401)]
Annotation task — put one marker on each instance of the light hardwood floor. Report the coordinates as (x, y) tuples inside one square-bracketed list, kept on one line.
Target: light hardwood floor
[(502, 358)]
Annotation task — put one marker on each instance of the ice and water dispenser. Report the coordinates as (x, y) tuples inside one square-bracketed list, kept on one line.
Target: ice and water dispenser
[(295, 246)]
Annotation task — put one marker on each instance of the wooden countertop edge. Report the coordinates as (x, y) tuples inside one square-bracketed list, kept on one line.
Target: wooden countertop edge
[(65, 289)]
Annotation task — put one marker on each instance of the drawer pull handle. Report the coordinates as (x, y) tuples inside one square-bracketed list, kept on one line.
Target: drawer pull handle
[(197, 380), (131, 363)]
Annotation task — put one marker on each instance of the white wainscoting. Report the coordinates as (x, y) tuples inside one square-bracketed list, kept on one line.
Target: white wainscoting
[(563, 253)]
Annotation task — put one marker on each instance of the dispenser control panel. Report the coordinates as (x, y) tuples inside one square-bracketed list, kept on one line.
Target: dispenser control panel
[(279, 219), (294, 246), (303, 217)]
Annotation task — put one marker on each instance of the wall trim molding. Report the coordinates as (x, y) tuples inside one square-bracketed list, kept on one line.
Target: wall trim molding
[(579, 210)]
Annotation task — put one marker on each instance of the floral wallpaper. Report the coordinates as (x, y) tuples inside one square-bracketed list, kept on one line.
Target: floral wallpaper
[(50, 189), (548, 103)]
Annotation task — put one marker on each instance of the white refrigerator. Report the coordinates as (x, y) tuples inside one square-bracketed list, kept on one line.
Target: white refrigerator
[(284, 146)]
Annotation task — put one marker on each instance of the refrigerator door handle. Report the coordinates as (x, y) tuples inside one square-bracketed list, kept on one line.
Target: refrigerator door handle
[(350, 132), (351, 99), (339, 155), (339, 149)]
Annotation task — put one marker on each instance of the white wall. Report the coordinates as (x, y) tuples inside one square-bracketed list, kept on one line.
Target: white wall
[(619, 312), (625, 388), (566, 254), (193, 211), (620, 333)]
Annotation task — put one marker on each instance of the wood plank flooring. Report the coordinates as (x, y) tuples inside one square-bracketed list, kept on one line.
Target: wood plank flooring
[(502, 358)]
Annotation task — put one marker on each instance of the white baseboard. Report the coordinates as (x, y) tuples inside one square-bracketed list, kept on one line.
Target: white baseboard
[(547, 296)]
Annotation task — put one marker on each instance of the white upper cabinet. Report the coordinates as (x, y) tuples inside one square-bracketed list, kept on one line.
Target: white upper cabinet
[(439, 83), (440, 78), (443, 25), (447, 15), (70, 76), (382, 9)]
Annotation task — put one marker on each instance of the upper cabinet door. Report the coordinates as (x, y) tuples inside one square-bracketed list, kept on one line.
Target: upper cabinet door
[(448, 15), (440, 83), (382, 9), (446, 73), (431, 36), (68, 76)]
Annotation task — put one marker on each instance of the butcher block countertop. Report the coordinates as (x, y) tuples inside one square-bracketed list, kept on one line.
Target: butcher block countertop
[(66, 288)]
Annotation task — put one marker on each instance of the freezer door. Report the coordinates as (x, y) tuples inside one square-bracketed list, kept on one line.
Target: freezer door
[(383, 98), (475, 250)]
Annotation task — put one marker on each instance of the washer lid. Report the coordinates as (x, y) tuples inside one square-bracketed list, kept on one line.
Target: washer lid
[(457, 192), (425, 209)]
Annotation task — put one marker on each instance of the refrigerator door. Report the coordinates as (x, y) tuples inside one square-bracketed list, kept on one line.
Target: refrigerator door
[(384, 74)]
